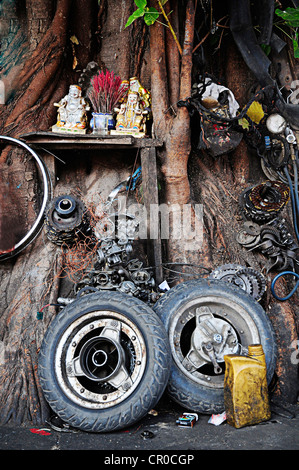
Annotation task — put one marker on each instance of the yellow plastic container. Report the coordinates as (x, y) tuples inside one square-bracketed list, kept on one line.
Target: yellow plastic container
[(246, 398)]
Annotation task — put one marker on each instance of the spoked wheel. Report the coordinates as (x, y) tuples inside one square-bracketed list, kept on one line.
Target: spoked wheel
[(104, 362), (206, 320)]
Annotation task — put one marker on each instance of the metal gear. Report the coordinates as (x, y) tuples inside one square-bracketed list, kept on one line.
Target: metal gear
[(248, 279), (249, 235), (263, 202), (274, 240), (228, 273), (257, 280)]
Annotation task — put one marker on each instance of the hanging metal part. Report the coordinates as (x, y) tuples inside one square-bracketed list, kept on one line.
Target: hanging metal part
[(248, 279), (66, 218), (263, 202), (47, 193), (275, 242)]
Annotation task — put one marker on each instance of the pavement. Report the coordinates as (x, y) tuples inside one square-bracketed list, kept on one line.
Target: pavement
[(157, 439)]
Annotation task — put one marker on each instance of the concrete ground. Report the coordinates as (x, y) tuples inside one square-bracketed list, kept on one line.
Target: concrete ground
[(157, 439)]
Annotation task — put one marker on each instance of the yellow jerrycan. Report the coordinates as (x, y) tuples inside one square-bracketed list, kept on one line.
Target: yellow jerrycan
[(246, 398)]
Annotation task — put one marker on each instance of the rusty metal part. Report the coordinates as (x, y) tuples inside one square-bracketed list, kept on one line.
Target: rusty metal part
[(47, 193), (66, 217), (275, 242), (257, 280), (113, 269), (269, 196), (285, 74), (248, 279), (264, 201)]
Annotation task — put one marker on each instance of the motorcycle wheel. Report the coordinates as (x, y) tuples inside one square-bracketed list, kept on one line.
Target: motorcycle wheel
[(205, 320), (104, 362)]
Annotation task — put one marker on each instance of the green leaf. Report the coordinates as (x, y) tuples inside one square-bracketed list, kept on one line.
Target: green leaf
[(266, 48), (244, 123), (141, 4), (290, 16), (151, 15), (296, 48), (137, 14)]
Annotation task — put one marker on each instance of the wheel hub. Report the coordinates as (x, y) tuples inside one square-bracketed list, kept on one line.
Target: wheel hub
[(101, 358), (211, 340)]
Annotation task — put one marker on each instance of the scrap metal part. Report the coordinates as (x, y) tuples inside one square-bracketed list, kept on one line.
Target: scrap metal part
[(114, 269), (248, 279), (47, 192), (65, 218), (273, 240), (263, 202)]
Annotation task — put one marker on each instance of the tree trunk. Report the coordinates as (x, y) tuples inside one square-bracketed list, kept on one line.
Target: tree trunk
[(30, 280)]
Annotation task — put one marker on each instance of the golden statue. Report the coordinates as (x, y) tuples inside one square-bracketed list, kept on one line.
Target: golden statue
[(145, 95), (133, 111)]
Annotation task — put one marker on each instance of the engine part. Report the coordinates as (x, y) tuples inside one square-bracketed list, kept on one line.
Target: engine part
[(65, 219), (205, 320), (248, 279), (104, 362), (274, 241), (113, 269), (47, 192), (257, 281), (264, 201)]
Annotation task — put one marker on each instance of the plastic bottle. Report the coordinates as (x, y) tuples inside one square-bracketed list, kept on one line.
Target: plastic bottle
[(246, 397)]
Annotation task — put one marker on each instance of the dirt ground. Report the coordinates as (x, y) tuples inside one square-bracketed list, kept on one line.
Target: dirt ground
[(157, 439)]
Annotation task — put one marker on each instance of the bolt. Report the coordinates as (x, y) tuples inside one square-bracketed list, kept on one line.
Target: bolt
[(217, 338), (126, 386), (74, 344)]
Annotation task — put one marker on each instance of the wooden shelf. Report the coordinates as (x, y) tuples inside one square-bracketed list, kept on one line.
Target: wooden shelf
[(78, 141)]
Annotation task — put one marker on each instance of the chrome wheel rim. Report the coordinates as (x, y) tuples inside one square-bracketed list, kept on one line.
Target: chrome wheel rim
[(100, 359)]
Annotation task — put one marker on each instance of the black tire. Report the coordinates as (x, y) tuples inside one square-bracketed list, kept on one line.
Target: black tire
[(104, 362), (193, 382)]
